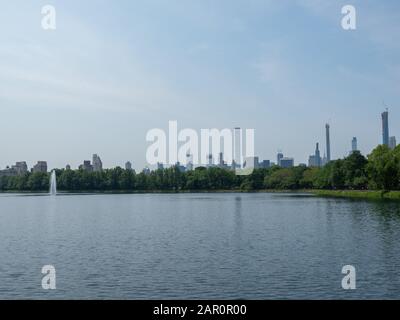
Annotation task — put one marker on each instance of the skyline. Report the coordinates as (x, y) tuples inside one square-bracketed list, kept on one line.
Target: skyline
[(111, 72), (313, 160)]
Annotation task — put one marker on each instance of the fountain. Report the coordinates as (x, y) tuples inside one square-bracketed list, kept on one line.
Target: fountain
[(53, 183)]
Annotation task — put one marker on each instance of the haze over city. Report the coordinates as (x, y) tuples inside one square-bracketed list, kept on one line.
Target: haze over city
[(111, 71)]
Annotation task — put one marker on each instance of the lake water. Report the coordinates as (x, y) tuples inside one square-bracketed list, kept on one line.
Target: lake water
[(198, 246)]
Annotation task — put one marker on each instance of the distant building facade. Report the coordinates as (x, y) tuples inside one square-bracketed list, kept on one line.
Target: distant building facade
[(41, 166), (315, 159), (279, 156), (251, 162), (287, 162), (265, 164), (97, 164), (20, 168), (86, 166), (385, 128), (328, 144), (128, 166), (354, 146)]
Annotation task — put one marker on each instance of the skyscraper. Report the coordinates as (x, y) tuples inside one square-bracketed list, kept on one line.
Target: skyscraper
[(315, 159), (237, 147), (317, 155), (97, 164), (354, 144), (328, 143), (221, 159), (279, 156), (385, 127)]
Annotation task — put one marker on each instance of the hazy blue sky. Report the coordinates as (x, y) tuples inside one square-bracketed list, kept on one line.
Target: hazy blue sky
[(115, 69)]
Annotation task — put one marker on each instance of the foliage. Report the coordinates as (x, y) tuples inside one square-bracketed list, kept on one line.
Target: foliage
[(380, 171)]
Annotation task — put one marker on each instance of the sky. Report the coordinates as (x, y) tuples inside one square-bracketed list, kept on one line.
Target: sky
[(113, 70)]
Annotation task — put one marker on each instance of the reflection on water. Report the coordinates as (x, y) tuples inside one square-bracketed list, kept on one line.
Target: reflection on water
[(239, 246)]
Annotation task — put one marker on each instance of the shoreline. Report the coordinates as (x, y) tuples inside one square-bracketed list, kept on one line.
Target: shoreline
[(344, 194), (358, 194)]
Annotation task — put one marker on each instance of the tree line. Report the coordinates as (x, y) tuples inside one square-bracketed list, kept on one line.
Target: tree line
[(380, 170)]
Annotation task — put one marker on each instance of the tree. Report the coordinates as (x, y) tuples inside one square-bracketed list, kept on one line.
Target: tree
[(383, 168)]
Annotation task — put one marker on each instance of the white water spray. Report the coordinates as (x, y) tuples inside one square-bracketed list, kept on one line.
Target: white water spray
[(53, 183)]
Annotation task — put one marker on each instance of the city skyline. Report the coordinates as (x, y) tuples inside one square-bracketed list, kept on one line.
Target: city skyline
[(110, 72), (313, 160)]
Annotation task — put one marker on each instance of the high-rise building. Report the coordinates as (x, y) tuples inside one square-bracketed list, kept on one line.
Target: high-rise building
[(20, 168), (41, 166), (354, 144), (97, 164), (392, 142), (279, 156), (221, 159), (251, 162), (328, 143), (287, 162), (86, 166), (265, 164), (237, 147), (318, 155), (210, 160), (128, 166), (315, 160), (385, 128)]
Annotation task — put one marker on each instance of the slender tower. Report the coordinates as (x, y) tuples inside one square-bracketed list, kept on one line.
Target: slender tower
[(328, 143), (317, 155), (385, 127)]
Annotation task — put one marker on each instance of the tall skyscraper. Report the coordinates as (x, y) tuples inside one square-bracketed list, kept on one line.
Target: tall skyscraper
[(385, 127), (237, 147), (392, 142), (354, 144), (315, 159), (328, 143), (221, 159), (279, 157), (317, 155)]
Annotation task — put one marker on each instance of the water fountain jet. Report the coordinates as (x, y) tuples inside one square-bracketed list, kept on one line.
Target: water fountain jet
[(53, 183)]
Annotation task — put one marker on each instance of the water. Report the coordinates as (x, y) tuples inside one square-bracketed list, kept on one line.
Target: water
[(198, 246), (53, 183)]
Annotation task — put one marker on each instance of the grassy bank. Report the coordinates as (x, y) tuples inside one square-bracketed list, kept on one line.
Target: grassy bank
[(359, 194)]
